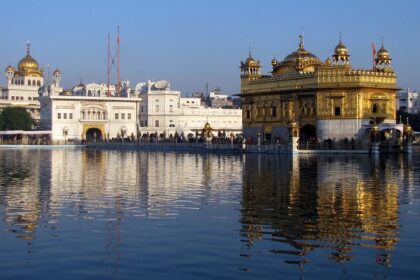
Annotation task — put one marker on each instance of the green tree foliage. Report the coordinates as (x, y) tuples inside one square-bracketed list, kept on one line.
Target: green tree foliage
[(15, 118), (413, 119)]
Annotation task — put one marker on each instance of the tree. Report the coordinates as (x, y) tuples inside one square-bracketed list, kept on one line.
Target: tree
[(15, 118)]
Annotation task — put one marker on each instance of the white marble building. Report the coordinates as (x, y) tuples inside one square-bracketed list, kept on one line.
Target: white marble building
[(73, 118), (408, 101), (164, 111), (22, 85)]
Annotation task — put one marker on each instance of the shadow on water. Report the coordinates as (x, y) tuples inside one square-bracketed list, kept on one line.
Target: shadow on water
[(331, 203)]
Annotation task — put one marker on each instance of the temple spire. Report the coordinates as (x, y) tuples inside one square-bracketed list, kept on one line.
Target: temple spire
[(28, 47), (301, 41)]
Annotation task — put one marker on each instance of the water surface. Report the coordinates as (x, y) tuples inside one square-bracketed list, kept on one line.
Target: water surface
[(89, 214)]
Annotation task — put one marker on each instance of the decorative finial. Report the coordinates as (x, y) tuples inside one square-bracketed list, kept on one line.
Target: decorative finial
[(28, 47), (250, 55), (301, 41), (340, 36), (382, 41)]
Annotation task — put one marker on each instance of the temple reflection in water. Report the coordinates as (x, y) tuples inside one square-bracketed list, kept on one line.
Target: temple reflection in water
[(298, 206), (334, 203)]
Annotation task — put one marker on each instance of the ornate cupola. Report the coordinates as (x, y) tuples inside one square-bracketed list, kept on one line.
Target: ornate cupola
[(28, 66), (341, 54), (251, 68), (10, 73), (301, 61), (57, 76), (383, 60)]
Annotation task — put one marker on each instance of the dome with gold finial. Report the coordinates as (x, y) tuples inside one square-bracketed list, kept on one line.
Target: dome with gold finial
[(341, 49), (341, 53), (383, 60), (300, 60), (274, 62), (383, 54), (28, 66), (250, 61)]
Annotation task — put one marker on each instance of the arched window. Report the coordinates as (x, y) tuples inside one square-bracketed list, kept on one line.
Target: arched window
[(83, 115), (38, 83), (29, 82), (89, 93), (375, 108)]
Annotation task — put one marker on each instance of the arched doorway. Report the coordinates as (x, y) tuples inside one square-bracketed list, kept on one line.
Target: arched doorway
[(93, 134), (307, 133)]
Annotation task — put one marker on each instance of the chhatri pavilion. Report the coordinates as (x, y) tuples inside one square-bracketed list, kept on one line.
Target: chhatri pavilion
[(324, 99)]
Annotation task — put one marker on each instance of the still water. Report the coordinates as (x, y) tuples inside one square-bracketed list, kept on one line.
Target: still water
[(89, 214)]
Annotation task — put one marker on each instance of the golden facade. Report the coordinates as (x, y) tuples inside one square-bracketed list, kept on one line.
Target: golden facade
[(327, 99)]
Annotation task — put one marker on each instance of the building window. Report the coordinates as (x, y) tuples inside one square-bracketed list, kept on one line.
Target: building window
[(156, 123), (59, 116), (65, 116), (141, 108), (71, 116), (248, 114), (171, 108), (123, 116), (116, 116), (156, 108), (29, 98), (273, 111), (129, 116), (375, 108), (337, 111)]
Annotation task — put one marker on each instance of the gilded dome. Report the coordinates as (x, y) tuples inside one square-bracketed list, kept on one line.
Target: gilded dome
[(10, 68), (28, 66), (300, 60), (300, 54), (341, 50), (250, 61), (28, 63), (274, 62), (383, 54)]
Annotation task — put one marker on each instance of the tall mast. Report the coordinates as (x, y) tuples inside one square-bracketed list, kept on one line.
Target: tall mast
[(108, 69), (118, 62)]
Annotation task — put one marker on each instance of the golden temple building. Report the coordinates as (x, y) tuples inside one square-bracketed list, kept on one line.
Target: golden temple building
[(325, 99)]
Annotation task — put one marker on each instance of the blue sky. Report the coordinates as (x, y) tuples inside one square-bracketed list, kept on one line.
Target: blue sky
[(191, 42)]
